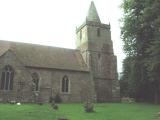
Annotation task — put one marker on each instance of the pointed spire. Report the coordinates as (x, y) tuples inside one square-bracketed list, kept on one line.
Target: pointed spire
[(92, 13)]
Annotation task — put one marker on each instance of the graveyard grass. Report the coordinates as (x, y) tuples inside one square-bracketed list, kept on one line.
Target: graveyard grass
[(107, 111)]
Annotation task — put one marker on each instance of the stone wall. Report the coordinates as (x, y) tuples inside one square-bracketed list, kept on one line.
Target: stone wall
[(81, 86), (21, 83)]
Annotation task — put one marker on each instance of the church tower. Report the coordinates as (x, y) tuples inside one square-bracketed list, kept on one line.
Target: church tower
[(94, 42)]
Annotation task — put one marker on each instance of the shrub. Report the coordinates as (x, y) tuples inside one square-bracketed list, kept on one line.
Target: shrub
[(57, 99), (55, 107), (51, 99)]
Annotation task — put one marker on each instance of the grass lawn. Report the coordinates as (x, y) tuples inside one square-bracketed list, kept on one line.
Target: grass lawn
[(108, 111)]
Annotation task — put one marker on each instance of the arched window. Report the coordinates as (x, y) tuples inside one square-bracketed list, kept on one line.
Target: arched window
[(65, 84), (35, 79), (7, 78)]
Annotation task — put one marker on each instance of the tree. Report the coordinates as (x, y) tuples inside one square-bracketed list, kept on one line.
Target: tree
[(125, 80), (153, 62), (140, 34)]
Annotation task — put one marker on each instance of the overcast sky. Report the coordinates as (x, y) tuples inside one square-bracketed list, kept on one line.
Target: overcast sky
[(53, 22)]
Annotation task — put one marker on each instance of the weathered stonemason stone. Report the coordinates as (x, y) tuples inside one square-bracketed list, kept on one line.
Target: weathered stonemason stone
[(30, 72)]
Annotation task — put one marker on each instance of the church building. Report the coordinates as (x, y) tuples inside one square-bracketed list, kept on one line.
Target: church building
[(30, 72)]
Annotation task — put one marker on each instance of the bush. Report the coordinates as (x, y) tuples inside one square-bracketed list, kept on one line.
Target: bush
[(55, 107), (51, 99), (57, 99)]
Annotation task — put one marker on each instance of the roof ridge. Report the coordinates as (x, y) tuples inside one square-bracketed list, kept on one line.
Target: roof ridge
[(34, 44)]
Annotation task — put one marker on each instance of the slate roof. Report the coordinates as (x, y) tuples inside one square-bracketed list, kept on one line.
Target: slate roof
[(33, 55)]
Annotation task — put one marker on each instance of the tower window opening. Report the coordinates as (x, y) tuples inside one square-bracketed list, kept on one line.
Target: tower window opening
[(98, 32)]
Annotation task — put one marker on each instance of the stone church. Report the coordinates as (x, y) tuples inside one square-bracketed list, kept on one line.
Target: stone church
[(30, 72)]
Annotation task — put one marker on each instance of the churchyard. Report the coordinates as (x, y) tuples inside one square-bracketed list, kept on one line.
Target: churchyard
[(103, 111)]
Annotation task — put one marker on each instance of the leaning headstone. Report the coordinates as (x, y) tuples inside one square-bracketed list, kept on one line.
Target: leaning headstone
[(89, 107)]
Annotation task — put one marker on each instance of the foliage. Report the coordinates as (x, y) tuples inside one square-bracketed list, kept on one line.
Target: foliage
[(124, 80), (57, 98), (51, 99), (141, 38)]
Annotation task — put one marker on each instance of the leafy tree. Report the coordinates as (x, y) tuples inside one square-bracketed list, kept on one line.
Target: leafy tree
[(141, 37), (153, 62), (124, 80)]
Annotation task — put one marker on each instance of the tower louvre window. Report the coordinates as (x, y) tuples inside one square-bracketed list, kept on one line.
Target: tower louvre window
[(98, 32), (7, 78)]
